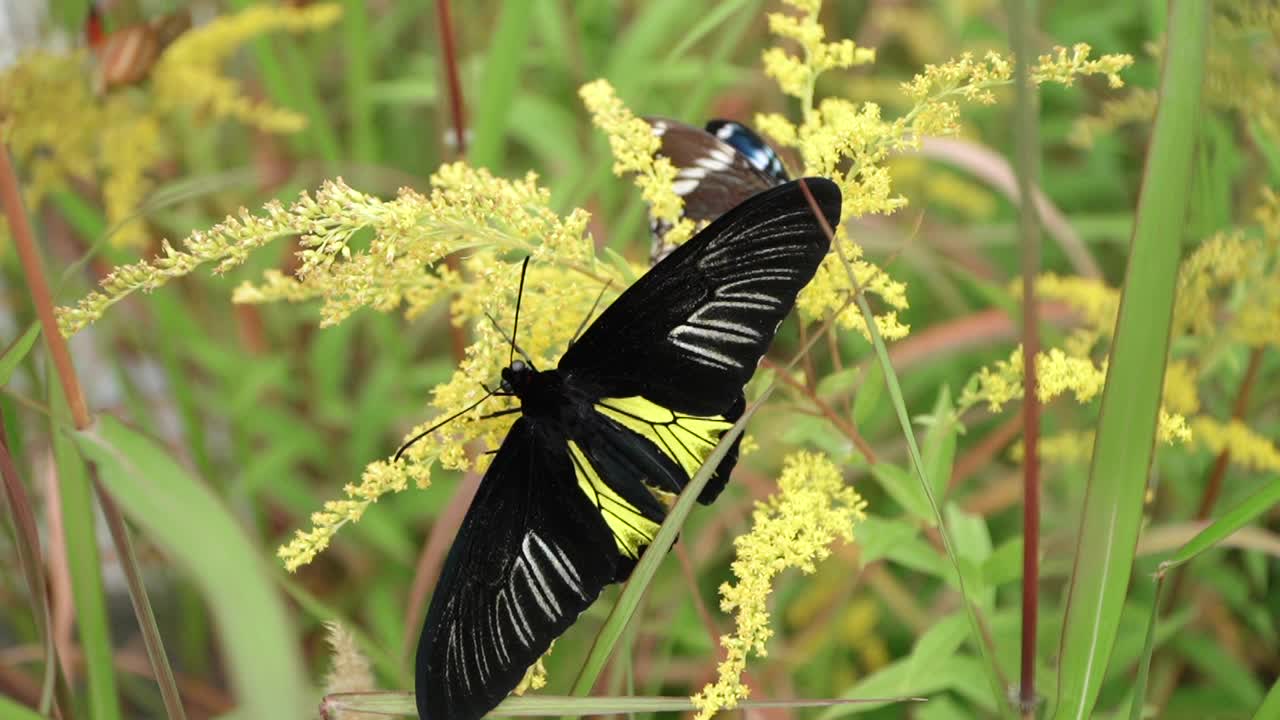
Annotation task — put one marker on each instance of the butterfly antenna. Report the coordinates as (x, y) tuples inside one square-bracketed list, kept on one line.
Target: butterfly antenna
[(590, 312), (438, 425), (515, 348), (515, 327)]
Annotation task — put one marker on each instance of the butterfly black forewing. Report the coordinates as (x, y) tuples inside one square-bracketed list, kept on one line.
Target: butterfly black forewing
[(636, 403), (689, 333), (532, 553)]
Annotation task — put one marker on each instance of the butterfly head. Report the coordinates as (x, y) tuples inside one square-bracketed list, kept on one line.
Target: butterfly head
[(516, 377)]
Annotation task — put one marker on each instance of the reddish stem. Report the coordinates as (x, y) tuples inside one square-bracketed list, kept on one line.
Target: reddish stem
[(1026, 148), (444, 23)]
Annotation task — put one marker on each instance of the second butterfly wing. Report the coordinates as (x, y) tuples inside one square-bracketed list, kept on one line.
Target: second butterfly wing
[(717, 169)]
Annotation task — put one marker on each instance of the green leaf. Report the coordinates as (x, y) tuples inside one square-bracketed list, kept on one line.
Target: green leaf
[(870, 391), (939, 446), (838, 383), (17, 352), (14, 710), (905, 490), (84, 564), (1222, 669), (184, 518), (1270, 707), (935, 649), (501, 83), (1126, 428), (1264, 499)]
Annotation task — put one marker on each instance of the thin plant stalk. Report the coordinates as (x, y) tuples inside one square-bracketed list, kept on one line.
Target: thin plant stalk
[(56, 345), (1026, 165), (981, 638)]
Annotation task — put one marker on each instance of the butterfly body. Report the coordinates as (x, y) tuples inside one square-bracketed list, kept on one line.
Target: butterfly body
[(575, 493)]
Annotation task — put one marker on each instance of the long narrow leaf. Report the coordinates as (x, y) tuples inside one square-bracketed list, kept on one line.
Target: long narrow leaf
[(184, 518), (18, 350), (401, 703), (1135, 374), (1234, 519), (501, 82), (84, 563)]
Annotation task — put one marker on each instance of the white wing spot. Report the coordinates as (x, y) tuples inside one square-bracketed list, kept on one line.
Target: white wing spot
[(684, 187), (705, 355), (710, 334), (534, 588), (556, 563)]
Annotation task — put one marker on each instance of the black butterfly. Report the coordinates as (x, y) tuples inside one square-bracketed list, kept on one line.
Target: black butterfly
[(719, 167), (635, 405)]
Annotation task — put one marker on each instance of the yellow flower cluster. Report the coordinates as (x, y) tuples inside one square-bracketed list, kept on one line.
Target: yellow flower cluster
[(1228, 290), (58, 129), (796, 75), (188, 74), (1138, 106), (57, 135), (936, 90), (832, 133), (1064, 448), (635, 150), (793, 528), (379, 478), (1248, 449), (1094, 302), (497, 221), (1057, 373), (1240, 272), (535, 678)]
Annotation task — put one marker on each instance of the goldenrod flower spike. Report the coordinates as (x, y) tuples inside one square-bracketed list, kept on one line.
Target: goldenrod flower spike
[(1248, 449), (189, 73), (635, 150), (793, 528)]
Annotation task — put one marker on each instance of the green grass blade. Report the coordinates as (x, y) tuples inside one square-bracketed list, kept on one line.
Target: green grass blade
[(185, 519), (14, 710), (501, 83), (1270, 707), (1148, 647), (401, 703), (84, 563), (627, 602), (1237, 517), (1126, 429), (989, 663), (17, 351), (359, 77), (712, 20)]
